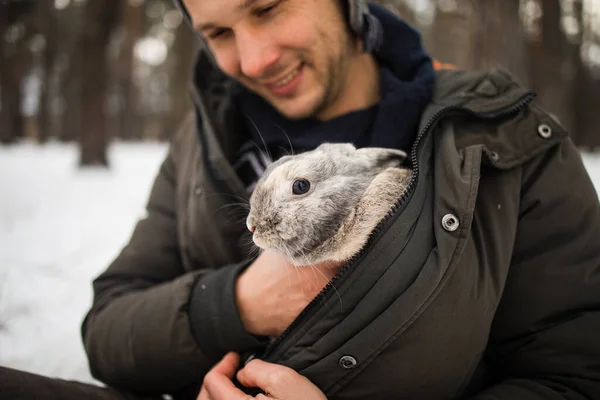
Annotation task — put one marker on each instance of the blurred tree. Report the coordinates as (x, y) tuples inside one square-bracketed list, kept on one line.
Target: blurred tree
[(452, 31), (132, 29), (46, 27), (7, 89), (15, 33), (498, 38), (69, 74), (100, 17), (552, 65), (586, 96), (401, 8), (143, 93), (179, 66)]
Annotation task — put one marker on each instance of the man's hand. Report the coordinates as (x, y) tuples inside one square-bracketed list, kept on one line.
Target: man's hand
[(272, 292), (278, 382)]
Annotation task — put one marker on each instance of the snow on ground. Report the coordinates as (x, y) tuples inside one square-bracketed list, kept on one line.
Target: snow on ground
[(59, 228)]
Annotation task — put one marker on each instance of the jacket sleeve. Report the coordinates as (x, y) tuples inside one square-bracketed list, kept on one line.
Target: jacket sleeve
[(138, 334), (545, 338)]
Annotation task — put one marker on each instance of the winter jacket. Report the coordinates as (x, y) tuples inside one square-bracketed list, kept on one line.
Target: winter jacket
[(482, 283)]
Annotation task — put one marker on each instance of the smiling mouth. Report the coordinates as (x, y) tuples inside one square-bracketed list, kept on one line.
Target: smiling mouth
[(286, 79)]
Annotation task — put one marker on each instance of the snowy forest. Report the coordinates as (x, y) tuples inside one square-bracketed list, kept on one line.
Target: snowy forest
[(91, 84), (88, 71)]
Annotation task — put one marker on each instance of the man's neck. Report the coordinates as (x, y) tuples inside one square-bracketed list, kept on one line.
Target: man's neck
[(361, 89)]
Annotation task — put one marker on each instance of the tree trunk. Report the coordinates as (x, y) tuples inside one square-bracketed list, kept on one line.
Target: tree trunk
[(451, 34), (9, 92), (552, 68), (180, 73), (130, 126), (11, 121), (99, 20), (586, 94), (70, 71), (47, 27), (16, 60), (498, 38)]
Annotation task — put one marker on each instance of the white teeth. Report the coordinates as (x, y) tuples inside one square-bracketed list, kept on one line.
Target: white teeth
[(288, 78)]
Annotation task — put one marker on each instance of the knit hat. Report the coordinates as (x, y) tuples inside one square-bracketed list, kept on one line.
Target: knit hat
[(364, 24)]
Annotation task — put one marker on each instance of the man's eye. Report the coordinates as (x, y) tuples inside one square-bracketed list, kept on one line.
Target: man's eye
[(217, 33), (261, 12)]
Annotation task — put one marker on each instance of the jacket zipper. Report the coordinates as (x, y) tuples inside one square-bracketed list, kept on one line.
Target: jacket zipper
[(501, 113)]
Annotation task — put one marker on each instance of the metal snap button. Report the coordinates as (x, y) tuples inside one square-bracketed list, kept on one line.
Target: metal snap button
[(544, 131), (494, 156), (198, 191), (348, 362), (450, 222)]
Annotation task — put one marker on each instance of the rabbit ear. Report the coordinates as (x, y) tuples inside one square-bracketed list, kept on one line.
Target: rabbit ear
[(383, 157)]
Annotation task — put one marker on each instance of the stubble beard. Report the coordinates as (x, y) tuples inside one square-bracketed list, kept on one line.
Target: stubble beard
[(331, 78), (335, 74)]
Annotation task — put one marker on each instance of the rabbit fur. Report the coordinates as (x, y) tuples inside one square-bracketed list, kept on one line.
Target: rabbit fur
[(351, 191)]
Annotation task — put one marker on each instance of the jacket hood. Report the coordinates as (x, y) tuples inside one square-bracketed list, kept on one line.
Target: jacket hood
[(214, 93)]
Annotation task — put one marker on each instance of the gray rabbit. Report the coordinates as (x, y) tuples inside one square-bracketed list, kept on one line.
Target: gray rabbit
[(323, 204)]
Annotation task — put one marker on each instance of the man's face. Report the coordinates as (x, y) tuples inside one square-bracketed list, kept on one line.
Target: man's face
[(293, 53)]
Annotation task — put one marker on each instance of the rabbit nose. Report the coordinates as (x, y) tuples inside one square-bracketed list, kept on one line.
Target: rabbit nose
[(251, 229)]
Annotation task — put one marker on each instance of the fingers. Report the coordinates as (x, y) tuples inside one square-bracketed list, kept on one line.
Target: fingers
[(276, 380), (217, 383), (220, 387), (228, 365), (279, 382)]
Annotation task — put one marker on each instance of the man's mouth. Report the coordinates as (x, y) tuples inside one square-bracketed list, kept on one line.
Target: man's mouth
[(288, 83), (287, 78)]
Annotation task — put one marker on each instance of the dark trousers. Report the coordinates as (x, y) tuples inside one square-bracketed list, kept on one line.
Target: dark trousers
[(19, 385)]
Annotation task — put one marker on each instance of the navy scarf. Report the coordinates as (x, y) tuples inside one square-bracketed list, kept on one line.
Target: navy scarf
[(407, 80)]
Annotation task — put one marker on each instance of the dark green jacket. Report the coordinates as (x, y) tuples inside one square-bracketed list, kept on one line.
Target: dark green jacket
[(484, 283)]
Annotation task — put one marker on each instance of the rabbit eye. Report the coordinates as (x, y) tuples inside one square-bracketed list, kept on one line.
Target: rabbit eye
[(300, 186)]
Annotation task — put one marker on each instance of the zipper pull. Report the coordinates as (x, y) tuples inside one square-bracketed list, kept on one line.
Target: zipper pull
[(251, 357)]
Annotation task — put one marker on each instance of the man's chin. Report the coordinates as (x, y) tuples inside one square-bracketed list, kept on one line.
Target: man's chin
[(305, 103), (295, 109)]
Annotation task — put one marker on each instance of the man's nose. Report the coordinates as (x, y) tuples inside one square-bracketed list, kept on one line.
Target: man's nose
[(258, 55)]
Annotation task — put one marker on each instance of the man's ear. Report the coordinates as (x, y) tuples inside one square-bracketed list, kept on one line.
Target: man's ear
[(382, 157)]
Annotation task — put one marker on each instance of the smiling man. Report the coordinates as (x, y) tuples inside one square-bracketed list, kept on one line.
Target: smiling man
[(482, 283), (298, 56)]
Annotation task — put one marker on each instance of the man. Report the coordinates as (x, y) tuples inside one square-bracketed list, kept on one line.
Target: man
[(483, 283)]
